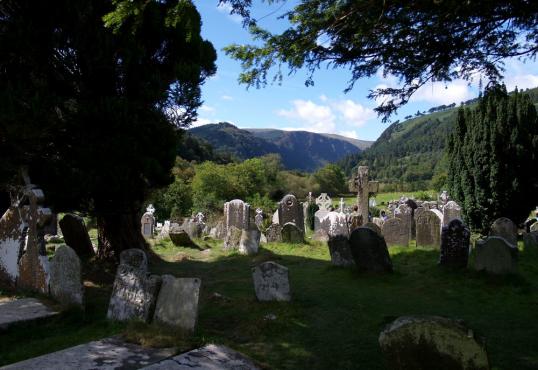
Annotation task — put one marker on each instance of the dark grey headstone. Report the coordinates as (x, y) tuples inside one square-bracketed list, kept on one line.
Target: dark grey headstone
[(76, 235), (340, 251), (274, 233), (455, 243), (504, 228), (496, 255), (292, 234), (369, 251), (134, 257), (289, 210), (180, 237)]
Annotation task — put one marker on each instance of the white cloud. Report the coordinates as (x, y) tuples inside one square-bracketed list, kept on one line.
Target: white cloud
[(352, 134), (226, 9), (521, 81), (353, 113), (207, 109), (443, 93), (226, 97), (323, 98), (314, 116), (201, 121)]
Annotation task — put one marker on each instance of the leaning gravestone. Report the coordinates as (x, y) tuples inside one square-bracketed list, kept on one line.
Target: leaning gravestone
[(395, 232), (177, 304), (496, 255), (271, 282), (135, 291), (250, 241), (505, 228), (292, 234), (431, 342), (65, 278), (274, 233), (76, 235), (289, 210), (451, 210), (369, 251), (340, 251), (428, 228), (455, 244)]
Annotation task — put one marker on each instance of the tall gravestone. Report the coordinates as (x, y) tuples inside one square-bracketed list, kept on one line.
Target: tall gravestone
[(428, 228), (504, 228), (65, 277), (324, 203), (405, 214), (237, 214), (76, 235), (147, 224), (495, 255), (369, 251), (12, 243), (395, 232), (289, 210), (451, 210), (364, 187), (455, 244)]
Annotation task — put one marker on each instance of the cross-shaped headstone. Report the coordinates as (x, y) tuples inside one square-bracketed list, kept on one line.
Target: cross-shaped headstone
[(324, 202), (150, 209), (364, 188)]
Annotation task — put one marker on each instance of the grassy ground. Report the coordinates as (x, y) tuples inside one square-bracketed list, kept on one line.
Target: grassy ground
[(383, 198), (336, 314)]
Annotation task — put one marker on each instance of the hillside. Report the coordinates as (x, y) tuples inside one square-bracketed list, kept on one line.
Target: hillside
[(409, 154), (299, 150)]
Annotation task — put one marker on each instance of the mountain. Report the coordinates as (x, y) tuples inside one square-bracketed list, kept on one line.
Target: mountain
[(411, 153), (299, 150)]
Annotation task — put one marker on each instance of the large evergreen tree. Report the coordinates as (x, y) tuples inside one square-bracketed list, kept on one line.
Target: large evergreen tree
[(493, 157), (92, 94)]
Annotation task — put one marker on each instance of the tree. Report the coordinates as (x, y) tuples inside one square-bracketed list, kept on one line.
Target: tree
[(493, 156), (93, 93), (417, 41), (331, 179)]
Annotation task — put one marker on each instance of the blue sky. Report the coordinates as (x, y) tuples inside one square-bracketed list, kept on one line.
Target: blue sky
[(323, 107)]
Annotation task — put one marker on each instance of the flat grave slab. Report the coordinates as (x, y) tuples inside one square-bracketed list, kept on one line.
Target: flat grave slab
[(209, 357), (22, 310), (105, 354)]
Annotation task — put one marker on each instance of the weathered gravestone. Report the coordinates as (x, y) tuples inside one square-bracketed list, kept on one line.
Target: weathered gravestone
[(292, 234), (340, 251), (65, 277), (250, 241), (76, 235), (373, 226), (496, 255), (369, 251), (333, 223), (179, 237), (271, 282), (237, 214), (363, 187), (147, 224), (289, 210), (530, 240), (193, 227), (274, 233), (218, 231), (405, 213), (428, 227), (455, 244), (505, 228), (12, 242), (233, 237), (135, 291), (431, 342), (395, 232), (451, 210), (177, 304), (258, 219)]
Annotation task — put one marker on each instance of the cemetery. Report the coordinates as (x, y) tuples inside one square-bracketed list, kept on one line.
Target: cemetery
[(138, 230)]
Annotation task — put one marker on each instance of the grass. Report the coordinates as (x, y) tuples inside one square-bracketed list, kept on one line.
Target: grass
[(334, 319), (382, 199)]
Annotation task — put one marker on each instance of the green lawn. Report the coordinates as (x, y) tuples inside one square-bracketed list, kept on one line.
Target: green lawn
[(382, 199), (336, 314)]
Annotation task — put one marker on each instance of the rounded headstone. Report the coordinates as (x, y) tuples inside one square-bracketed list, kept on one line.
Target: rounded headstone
[(369, 251), (373, 226), (271, 282), (496, 255), (134, 257), (292, 234), (76, 235), (455, 243), (65, 277), (340, 251), (395, 232), (505, 228)]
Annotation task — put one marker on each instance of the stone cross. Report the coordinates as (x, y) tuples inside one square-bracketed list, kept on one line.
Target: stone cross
[(150, 209), (341, 205), (364, 188), (324, 202)]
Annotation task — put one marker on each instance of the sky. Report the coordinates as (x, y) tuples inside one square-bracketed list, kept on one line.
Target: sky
[(323, 107)]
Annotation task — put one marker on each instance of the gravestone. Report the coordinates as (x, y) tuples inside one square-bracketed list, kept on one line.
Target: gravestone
[(428, 228), (12, 243), (292, 234), (250, 241), (237, 214), (431, 342), (333, 223), (147, 224), (165, 230), (324, 202), (444, 197), (455, 244), (274, 233), (405, 213), (134, 293), (258, 219), (65, 277), (505, 228), (451, 210), (364, 187), (395, 232), (274, 219), (179, 237), (193, 228), (177, 303), (76, 235), (369, 251), (374, 227), (495, 255), (530, 240), (321, 235), (218, 231), (233, 238), (289, 210), (271, 282), (340, 251)]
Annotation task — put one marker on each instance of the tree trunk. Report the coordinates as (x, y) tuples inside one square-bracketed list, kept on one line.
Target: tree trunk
[(118, 232)]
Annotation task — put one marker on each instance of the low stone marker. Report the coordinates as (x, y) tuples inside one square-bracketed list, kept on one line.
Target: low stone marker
[(23, 310), (395, 232), (134, 293), (209, 357), (250, 241), (274, 233), (431, 342), (108, 353), (134, 257), (340, 251), (369, 251), (455, 244), (292, 234), (505, 228), (180, 237), (177, 304), (271, 282), (496, 255), (76, 235), (65, 277)]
